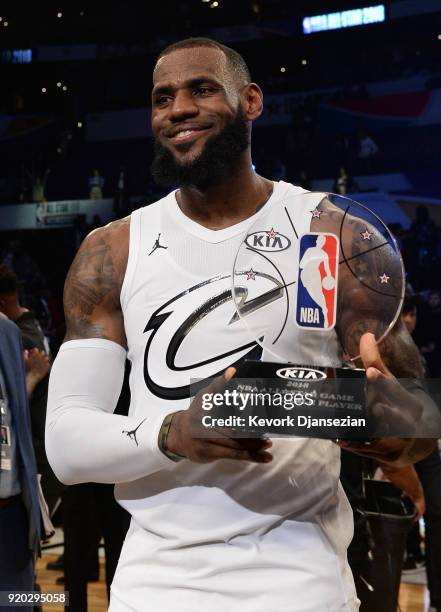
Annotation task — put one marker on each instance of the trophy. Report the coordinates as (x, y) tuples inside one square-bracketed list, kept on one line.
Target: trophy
[(314, 273)]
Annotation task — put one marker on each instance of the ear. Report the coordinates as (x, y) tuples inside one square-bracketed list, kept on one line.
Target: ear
[(252, 101)]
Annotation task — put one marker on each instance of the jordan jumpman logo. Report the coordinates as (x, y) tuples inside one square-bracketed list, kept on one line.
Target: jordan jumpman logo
[(157, 245), (132, 434)]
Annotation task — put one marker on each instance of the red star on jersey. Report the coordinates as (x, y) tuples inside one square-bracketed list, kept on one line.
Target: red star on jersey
[(366, 235), (316, 213), (251, 275), (272, 233), (384, 278)]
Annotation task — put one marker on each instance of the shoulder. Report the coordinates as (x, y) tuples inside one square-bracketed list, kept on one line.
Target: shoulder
[(113, 231), (289, 189), (105, 246), (10, 339), (8, 327), (99, 266)]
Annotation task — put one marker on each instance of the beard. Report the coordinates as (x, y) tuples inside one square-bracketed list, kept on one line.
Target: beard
[(218, 157)]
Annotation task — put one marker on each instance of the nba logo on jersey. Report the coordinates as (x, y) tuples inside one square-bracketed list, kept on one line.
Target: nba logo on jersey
[(317, 281)]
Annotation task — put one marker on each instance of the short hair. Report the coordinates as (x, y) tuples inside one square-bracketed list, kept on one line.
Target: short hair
[(8, 280), (234, 59)]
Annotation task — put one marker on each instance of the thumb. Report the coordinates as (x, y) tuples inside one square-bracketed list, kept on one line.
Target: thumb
[(370, 355), (218, 384), (229, 373)]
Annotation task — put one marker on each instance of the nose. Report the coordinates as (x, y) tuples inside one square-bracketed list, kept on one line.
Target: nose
[(183, 107)]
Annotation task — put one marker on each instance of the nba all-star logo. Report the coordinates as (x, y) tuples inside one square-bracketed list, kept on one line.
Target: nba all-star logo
[(197, 335)]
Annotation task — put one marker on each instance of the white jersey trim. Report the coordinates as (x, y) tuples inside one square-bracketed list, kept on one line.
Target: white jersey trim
[(132, 260), (215, 236)]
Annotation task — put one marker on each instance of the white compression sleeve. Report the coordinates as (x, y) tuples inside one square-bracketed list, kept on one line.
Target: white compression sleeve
[(85, 441)]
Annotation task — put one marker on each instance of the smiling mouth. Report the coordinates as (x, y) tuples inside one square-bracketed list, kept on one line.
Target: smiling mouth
[(187, 136)]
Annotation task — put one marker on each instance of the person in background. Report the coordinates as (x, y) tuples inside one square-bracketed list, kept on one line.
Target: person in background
[(429, 340), (344, 183), (119, 203), (19, 506), (367, 147), (34, 342), (429, 473), (39, 187), (96, 184)]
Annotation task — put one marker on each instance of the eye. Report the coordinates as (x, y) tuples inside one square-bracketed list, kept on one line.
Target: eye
[(162, 100), (203, 90)]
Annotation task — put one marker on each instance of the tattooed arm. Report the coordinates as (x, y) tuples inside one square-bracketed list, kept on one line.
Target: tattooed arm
[(85, 441), (366, 305), (91, 292)]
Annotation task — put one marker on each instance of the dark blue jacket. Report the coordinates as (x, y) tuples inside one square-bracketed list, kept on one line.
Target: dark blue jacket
[(12, 366)]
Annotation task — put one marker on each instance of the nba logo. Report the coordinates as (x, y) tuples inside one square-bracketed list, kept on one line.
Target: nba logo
[(317, 281)]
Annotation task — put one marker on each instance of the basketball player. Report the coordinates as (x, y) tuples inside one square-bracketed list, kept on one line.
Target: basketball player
[(218, 523)]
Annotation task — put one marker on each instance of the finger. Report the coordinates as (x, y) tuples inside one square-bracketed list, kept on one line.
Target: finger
[(393, 420), (370, 354), (217, 384), (229, 373), (249, 444), (213, 452)]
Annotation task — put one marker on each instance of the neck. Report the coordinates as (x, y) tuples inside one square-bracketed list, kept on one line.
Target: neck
[(228, 201)]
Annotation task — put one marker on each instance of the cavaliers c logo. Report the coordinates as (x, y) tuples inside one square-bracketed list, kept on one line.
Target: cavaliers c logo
[(180, 332)]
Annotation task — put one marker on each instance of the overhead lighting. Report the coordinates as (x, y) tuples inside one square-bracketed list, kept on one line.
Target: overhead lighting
[(59, 15), (214, 4), (64, 87), (5, 23), (43, 90), (283, 69), (59, 84), (439, 36), (1, 18), (79, 124), (304, 62), (81, 13)]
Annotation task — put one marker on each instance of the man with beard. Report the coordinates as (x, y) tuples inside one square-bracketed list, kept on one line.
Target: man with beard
[(218, 523)]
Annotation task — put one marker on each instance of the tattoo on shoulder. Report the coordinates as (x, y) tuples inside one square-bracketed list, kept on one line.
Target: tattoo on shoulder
[(92, 281)]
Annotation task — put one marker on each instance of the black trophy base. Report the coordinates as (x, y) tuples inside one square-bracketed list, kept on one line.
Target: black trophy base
[(280, 400)]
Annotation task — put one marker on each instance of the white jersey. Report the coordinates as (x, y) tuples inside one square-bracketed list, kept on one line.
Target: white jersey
[(227, 535)]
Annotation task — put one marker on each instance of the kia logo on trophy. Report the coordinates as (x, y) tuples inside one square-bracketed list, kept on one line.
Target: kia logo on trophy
[(300, 373), (268, 241)]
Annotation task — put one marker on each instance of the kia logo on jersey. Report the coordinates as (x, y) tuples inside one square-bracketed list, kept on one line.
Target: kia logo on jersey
[(317, 281), (268, 241)]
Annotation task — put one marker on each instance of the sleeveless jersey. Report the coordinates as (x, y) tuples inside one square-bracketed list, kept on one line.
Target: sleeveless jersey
[(228, 534)]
